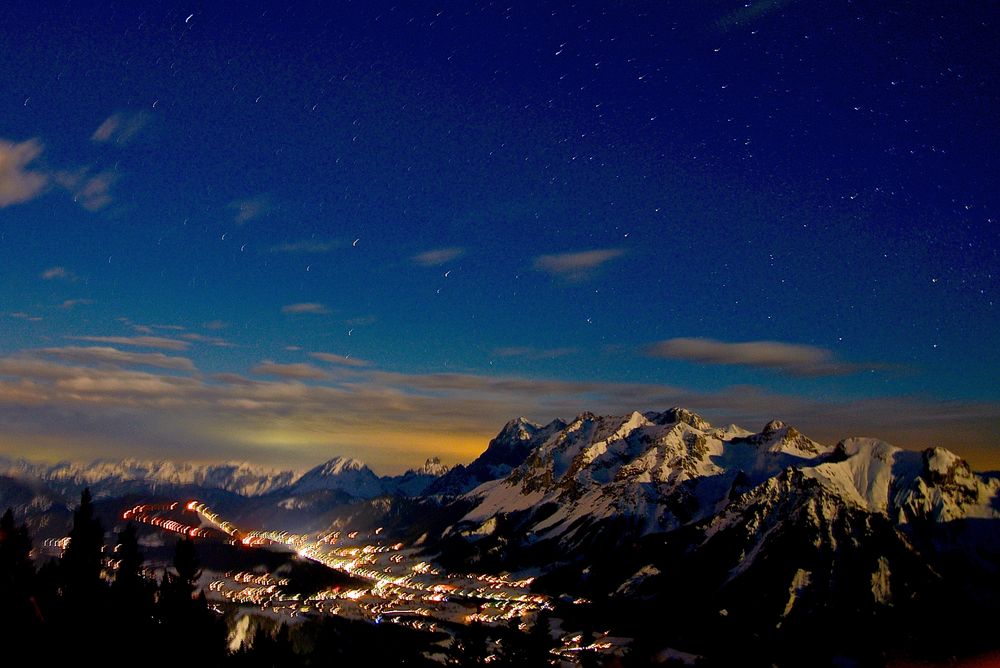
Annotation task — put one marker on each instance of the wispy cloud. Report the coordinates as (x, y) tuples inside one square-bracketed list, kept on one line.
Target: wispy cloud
[(73, 303), (576, 266), (251, 208), (789, 358), (216, 325), (305, 307), (137, 341), (121, 127), (91, 191), (290, 371), (532, 353), (61, 273), (115, 357), (340, 360), (437, 256), (21, 315), (396, 420), (210, 340), (748, 13), (305, 247), (17, 183)]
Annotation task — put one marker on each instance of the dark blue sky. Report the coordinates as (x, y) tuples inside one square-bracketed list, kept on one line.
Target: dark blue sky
[(471, 211)]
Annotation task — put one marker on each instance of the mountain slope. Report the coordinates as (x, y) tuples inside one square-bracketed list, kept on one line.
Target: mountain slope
[(416, 481), (115, 478), (510, 447), (343, 474)]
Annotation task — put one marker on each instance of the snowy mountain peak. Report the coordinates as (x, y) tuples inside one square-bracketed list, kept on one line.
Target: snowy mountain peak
[(779, 438), (663, 471), (431, 467), (416, 481), (943, 467), (506, 451), (906, 485), (773, 426), (339, 465), (345, 474), (519, 429), (678, 414), (107, 477)]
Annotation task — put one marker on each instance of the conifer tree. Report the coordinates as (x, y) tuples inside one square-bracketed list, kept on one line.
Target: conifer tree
[(540, 639), (80, 613), (186, 614), (132, 594), (17, 574), (81, 562), (128, 575)]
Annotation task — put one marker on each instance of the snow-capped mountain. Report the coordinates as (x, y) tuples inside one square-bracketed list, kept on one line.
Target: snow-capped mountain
[(760, 538), (114, 478), (657, 472), (764, 538), (28, 497), (508, 450), (416, 481), (344, 474), (349, 478), (905, 485)]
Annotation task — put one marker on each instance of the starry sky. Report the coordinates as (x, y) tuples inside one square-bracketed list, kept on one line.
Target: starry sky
[(281, 232)]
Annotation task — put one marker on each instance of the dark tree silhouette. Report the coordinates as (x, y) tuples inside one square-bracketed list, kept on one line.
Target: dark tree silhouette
[(588, 658), (131, 595), (473, 645), (128, 575), (269, 650), (80, 613), (18, 612), (81, 562), (187, 565), (185, 613), (539, 640), (514, 647)]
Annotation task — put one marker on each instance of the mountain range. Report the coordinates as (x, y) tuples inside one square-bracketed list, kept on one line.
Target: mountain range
[(761, 537), (109, 478)]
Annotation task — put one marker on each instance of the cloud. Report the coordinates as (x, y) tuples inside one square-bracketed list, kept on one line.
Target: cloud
[(305, 307), (576, 266), (216, 325), (73, 303), (340, 360), (210, 340), (18, 184), (113, 356), (251, 208), (52, 273), (120, 128), (748, 13), (305, 247), (437, 256), (788, 358), (395, 420), (289, 371), (91, 191), (532, 353), (138, 341), (21, 315)]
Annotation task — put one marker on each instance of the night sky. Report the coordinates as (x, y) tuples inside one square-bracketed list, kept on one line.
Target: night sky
[(280, 234)]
